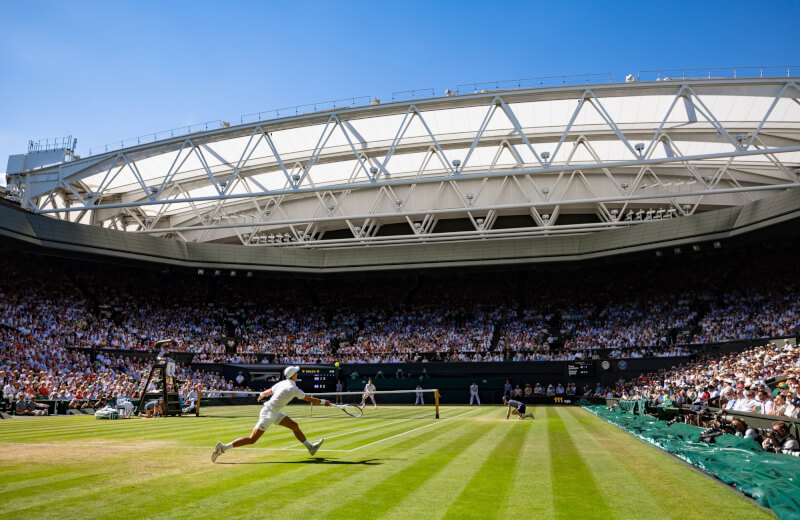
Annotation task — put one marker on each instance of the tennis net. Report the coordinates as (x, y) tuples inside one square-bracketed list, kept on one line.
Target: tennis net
[(390, 404)]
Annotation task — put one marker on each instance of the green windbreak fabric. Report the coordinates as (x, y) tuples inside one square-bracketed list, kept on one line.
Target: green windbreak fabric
[(637, 407), (772, 479)]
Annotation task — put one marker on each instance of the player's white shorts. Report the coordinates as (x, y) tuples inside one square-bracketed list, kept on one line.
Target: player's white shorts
[(268, 417)]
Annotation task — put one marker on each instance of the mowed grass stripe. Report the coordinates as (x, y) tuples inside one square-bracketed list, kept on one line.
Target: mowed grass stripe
[(93, 428), (330, 479), (77, 424), (666, 478), (22, 496), (147, 490), (575, 491), (358, 439), (491, 481), (531, 484), (431, 499), (385, 493), (73, 500), (627, 496)]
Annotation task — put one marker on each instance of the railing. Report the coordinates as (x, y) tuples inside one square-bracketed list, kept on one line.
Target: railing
[(719, 73), (305, 109), (461, 89), (543, 81), (155, 136), (408, 95), (56, 143)]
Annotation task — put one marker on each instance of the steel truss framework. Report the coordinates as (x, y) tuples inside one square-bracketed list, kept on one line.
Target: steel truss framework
[(624, 153)]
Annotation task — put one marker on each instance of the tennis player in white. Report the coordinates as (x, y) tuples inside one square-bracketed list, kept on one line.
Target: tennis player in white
[(280, 395), (369, 391)]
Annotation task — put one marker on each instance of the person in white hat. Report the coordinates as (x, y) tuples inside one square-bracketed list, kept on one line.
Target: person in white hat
[(280, 395)]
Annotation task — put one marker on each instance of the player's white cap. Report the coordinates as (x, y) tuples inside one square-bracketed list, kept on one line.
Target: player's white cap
[(288, 372)]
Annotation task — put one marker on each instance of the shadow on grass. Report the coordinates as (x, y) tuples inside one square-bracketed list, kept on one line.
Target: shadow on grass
[(320, 460)]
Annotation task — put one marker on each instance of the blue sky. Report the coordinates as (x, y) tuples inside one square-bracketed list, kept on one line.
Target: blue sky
[(105, 71)]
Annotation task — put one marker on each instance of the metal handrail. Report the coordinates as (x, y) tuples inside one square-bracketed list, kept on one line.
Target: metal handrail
[(543, 81), (155, 136), (465, 88), (306, 109), (44, 145), (718, 73), (419, 93)]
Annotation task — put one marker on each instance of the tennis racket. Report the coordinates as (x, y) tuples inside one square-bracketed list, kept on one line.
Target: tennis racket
[(350, 409)]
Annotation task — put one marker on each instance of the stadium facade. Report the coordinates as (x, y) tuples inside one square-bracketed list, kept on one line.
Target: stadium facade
[(490, 177)]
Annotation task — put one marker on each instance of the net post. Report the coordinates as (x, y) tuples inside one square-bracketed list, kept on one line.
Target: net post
[(436, 400), (197, 405)]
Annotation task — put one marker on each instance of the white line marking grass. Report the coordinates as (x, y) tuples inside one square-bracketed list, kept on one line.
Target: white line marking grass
[(415, 429), (384, 425)]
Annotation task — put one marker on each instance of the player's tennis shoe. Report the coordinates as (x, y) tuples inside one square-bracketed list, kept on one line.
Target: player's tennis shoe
[(315, 446), (217, 452)]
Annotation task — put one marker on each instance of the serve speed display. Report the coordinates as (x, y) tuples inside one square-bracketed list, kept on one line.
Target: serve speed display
[(580, 369), (320, 379)]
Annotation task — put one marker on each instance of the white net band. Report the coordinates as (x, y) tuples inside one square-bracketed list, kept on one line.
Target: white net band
[(379, 404)]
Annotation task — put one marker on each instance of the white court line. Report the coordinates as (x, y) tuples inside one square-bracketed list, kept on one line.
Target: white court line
[(179, 447), (120, 446), (415, 429), (141, 448), (296, 445)]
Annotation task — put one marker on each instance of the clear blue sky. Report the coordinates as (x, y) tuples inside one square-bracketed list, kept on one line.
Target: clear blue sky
[(104, 71)]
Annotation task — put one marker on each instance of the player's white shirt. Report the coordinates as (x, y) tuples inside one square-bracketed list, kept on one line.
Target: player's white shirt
[(283, 392), (369, 389), (473, 389)]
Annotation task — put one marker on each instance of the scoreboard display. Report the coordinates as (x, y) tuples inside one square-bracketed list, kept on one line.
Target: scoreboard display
[(319, 379), (580, 369)]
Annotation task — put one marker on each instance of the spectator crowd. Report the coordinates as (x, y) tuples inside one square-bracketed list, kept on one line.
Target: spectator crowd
[(761, 380), (52, 311)]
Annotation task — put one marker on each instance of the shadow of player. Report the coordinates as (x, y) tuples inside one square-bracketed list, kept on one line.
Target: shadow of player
[(320, 460)]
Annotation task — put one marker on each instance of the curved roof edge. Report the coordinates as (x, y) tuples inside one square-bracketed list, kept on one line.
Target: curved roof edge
[(710, 226)]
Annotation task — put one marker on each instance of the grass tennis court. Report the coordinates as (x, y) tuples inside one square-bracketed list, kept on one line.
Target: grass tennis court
[(470, 463)]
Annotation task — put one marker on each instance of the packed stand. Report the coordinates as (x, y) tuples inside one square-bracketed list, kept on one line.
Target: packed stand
[(626, 310)]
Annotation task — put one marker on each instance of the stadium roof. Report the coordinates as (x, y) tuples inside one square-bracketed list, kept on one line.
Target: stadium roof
[(505, 163)]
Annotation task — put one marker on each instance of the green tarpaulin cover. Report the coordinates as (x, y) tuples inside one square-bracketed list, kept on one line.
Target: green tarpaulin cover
[(772, 479)]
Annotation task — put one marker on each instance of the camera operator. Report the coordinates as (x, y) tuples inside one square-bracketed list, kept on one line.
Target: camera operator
[(742, 430), (779, 440)]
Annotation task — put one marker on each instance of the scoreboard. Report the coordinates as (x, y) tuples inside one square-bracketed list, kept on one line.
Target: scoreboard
[(320, 379), (580, 369)]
